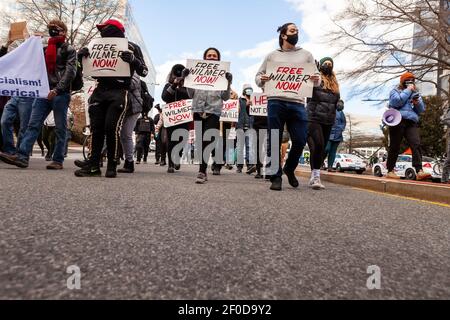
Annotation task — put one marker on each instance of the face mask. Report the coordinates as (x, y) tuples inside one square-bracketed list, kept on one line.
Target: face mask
[(248, 92), (53, 32), (292, 39), (327, 70), (111, 32)]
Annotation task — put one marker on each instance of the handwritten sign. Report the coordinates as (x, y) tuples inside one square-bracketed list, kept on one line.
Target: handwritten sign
[(207, 75), (259, 105), (18, 31), (290, 80), (104, 58), (230, 111), (177, 113)]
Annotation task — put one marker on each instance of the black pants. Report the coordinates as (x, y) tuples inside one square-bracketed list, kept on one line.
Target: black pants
[(107, 110), (318, 136), (171, 144), (406, 129), (142, 146), (49, 139), (158, 146), (211, 122), (225, 126)]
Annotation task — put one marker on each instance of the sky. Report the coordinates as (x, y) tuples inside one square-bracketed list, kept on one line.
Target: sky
[(245, 32)]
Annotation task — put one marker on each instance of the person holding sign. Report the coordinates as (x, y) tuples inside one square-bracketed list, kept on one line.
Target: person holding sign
[(207, 108), (288, 108), (108, 103), (60, 59), (322, 115), (175, 91)]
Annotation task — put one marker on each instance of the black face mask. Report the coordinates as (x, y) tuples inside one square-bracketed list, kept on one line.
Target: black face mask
[(111, 32), (53, 32), (327, 70), (292, 39)]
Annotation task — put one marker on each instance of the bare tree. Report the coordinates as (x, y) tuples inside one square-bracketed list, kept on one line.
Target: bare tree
[(81, 16), (351, 132), (389, 37)]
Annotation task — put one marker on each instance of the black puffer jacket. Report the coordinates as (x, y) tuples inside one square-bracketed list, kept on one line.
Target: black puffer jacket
[(322, 106), (66, 68)]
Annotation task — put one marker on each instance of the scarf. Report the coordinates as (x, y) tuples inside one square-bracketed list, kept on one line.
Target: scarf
[(50, 53)]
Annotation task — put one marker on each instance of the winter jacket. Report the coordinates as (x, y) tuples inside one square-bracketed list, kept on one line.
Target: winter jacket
[(402, 101), (322, 106), (210, 102), (66, 68), (245, 120), (170, 94), (339, 127), (135, 100), (148, 100)]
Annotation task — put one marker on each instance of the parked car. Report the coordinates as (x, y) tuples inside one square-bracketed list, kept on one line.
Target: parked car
[(349, 162), (404, 168)]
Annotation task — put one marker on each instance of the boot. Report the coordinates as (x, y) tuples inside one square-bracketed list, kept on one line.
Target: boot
[(111, 171), (128, 167)]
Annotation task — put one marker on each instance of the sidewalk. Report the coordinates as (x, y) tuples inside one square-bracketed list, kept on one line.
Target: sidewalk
[(427, 191)]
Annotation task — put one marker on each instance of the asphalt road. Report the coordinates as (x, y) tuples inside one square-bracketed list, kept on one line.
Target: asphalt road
[(155, 236)]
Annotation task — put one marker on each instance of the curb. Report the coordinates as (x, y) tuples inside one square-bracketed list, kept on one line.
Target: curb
[(418, 190)]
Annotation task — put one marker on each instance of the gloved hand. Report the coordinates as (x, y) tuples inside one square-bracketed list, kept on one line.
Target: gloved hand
[(185, 73), (127, 56), (83, 53), (229, 77)]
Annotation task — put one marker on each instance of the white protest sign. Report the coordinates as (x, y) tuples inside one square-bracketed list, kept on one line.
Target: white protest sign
[(23, 71), (290, 80), (230, 111), (177, 113), (207, 75), (104, 60), (259, 105), (89, 87)]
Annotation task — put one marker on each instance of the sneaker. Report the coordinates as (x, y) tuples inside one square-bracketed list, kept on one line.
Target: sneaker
[(157, 163), (177, 167), (163, 164), (138, 162), (81, 164), (315, 184), (48, 158), (111, 171), (201, 178), (88, 172), (13, 160), (171, 170), (128, 167), (239, 170), (216, 172), (55, 166), (423, 176), (277, 184), (292, 178), (229, 167), (392, 175), (251, 170), (259, 176)]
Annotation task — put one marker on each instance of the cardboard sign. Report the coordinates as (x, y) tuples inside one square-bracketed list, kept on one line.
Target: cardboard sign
[(23, 71), (207, 75), (290, 80), (259, 105), (104, 58), (18, 31), (177, 113), (230, 111)]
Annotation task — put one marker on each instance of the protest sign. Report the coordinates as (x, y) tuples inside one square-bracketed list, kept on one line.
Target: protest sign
[(104, 58), (230, 111), (18, 31), (177, 113), (89, 87), (290, 80), (23, 71), (259, 105), (207, 75)]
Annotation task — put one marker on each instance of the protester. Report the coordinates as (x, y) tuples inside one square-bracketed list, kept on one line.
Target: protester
[(245, 123), (336, 136), (49, 136), (108, 104), (322, 115), (158, 141), (161, 135), (207, 107), (145, 130), (60, 58), (174, 91), (409, 102), (287, 111)]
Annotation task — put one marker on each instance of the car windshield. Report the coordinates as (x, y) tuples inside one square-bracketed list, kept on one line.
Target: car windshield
[(427, 159)]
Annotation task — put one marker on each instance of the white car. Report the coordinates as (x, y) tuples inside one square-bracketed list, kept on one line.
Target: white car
[(349, 162), (404, 168)]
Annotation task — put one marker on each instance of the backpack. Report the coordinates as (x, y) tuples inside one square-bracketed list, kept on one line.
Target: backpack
[(144, 126), (77, 82)]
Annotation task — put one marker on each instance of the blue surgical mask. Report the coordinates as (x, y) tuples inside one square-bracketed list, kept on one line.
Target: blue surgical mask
[(248, 92)]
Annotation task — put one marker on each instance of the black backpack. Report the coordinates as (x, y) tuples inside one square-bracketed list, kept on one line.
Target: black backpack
[(78, 83)]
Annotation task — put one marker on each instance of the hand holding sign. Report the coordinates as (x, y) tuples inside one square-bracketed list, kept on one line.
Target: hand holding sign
[(207, 75)]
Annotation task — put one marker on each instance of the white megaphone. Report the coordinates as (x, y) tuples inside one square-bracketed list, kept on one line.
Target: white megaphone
[(392, 118)]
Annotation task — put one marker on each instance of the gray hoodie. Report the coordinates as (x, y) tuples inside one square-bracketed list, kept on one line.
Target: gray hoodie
[(296, 55)]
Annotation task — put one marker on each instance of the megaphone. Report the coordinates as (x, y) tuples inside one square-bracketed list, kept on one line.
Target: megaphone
[(392, 118)]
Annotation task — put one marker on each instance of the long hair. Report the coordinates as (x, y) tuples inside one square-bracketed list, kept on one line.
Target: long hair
[(330, 83)]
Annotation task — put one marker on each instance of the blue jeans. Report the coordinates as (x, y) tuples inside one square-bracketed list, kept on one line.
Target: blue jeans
[(240, 152), (16, 107), (331, 151), (40, 111), (294, 115)]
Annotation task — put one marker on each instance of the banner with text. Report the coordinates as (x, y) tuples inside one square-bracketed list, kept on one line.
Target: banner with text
[(290, 80), (259, 105), (207, 75), (23, 71), (176, 113), (230, 111), (104, 58)]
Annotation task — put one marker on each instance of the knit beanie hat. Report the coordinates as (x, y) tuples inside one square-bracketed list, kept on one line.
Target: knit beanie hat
[(322, 61)]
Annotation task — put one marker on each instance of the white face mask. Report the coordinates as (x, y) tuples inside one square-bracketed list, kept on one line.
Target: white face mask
[(248, 92)]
